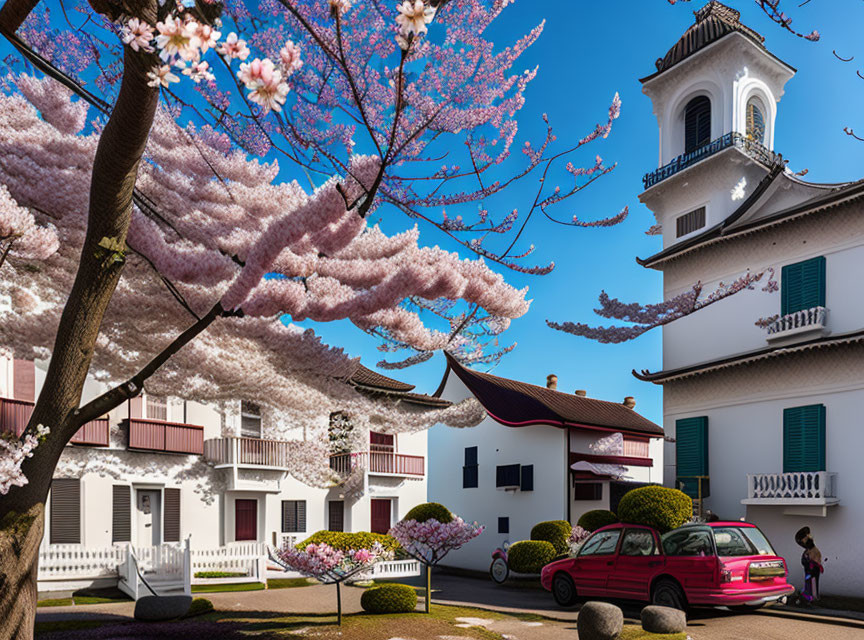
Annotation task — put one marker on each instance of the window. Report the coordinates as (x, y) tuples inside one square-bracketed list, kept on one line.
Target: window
[(527, 483), (691, 454), (470, 471), (688, 542), (65, 511), (731, 541), (507, 475), (587, 491), (697, 124), (601, 543), (689, 222), (802, 286), (638, 542), (755, 121), (293, 516), (157, 408), (804, 438), (250, 420), (503, 525), (381, 441)]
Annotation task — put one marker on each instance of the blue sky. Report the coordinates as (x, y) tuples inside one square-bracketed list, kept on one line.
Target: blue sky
[(586, 54)]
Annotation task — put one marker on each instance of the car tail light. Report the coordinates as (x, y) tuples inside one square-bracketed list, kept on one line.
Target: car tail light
[(726, 574)]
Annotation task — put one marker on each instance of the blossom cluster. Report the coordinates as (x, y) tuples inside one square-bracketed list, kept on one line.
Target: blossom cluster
[(323, 562), (431, 540), (577, 537), (13, 453)]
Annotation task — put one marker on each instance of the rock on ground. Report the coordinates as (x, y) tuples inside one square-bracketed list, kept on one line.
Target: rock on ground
[(663, 619), (599, 621), (156, 608)]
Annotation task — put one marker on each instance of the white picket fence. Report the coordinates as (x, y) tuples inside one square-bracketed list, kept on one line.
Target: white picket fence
[(74, 561), (248, 558)]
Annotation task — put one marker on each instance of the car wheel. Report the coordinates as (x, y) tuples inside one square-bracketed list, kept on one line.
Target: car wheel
[(563, 590), (499, 570), (668, 593)]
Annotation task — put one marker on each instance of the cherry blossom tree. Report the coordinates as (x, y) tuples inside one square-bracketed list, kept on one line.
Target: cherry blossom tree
[(376, 107), (429, 540), (329, 565)]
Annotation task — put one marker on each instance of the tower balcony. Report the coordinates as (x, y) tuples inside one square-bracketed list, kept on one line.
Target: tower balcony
[(727, 141), (798, 493), (799, 322)]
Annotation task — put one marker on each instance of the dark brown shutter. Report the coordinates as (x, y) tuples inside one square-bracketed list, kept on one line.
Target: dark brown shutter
[(336, 519), (697, 124), (293, 516), (172, 515), (121, 513), (65, 511), (24, 380)]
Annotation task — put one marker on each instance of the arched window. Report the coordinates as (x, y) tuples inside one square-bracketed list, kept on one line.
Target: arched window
[(697, 123), (755, 121)]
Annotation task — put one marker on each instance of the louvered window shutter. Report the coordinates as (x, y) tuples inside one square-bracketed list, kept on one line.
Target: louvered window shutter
[(697, 124), (121, 513), (293, 516), (172, 515), (527, 472), (804, 438), (802, 285), (65, 511), (691, 453)]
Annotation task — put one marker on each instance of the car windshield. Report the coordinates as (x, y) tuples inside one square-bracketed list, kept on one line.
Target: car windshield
[(601, 543), (741, 541)]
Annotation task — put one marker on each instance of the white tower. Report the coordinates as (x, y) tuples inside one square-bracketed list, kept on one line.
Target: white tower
[(715, 95)]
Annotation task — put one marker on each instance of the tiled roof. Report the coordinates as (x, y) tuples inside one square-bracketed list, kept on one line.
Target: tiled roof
[(659, 377), (367, 378), (517, 403), (713, 21)]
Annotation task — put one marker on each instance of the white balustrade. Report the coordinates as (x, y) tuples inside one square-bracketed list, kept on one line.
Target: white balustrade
[(797, 322), (70, 561), (801, 487)]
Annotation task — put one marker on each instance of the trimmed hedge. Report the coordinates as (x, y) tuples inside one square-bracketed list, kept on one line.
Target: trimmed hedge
[(556, 532), (530, 556), (659, 507), (430, 511), (346, 541), (389, 598), (593, 520)]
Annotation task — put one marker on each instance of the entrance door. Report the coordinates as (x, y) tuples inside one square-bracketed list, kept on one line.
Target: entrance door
[(336, 515), (245, 519), (380, 516), (148, 518)]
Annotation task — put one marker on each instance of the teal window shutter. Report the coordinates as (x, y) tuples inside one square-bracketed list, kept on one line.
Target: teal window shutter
[(802, 285), (804, 438), (691, 453)]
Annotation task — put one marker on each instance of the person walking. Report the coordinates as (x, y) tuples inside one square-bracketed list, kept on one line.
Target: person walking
[(811, 560)]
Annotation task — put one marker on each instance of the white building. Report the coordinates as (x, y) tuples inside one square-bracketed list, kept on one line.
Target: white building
[(532, 460), (157, 472), (761, 390)]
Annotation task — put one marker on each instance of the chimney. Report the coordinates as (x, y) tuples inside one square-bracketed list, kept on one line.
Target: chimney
[(580, 392), (551, 381), (629, 402)]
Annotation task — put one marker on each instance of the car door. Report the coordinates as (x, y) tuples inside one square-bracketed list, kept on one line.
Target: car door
[(637, 562), (595, 560), (692, 560)]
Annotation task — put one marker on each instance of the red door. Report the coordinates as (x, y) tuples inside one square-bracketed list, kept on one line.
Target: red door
[(380, 516), (245, 519), (637, 563), (595, 562)]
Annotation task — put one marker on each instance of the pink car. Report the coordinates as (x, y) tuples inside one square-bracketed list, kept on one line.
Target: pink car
[(716, 564)]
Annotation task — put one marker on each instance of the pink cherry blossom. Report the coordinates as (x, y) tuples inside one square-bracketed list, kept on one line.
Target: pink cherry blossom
[(138, 35), (290, 57), (234, 47), (161, 76), (264, 82), (178, 38), (412, 17)]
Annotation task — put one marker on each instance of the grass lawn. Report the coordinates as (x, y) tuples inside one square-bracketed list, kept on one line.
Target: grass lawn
[(81, 599), (635, 632), (237, 586)]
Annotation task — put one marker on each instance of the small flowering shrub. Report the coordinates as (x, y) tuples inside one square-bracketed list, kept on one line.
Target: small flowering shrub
[(557, 532), (329, 565), (577, 537), (530, 556), (389, 598), (431, 540), (659, 507), (593, 520)]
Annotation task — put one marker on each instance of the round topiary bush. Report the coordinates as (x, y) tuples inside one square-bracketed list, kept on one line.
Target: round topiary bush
[(345, 541), (198, 607), (659, 507), (556, 532), (530, 556), (430, 511), (593, 520), (389, 598)]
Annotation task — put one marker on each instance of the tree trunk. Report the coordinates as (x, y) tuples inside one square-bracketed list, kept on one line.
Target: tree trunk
[(115, 169)]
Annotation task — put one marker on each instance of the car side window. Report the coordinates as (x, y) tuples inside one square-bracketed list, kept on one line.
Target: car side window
[(688, 542), (638, 542), (601, 543)]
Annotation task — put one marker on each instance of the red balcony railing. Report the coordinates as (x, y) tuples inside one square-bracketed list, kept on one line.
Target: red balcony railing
[(379, 462), (15, 414), (159, 435)]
